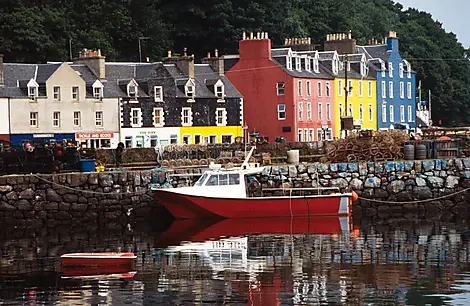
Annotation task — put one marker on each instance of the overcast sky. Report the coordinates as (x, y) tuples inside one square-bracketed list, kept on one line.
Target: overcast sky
[(453, 14)]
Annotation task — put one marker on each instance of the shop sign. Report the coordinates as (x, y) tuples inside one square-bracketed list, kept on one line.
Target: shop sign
[(43, 135), (80, 136)]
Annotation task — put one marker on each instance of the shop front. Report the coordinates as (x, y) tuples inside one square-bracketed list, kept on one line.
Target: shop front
[(97, 140), (149, 137), (210, 134), (43, 137)]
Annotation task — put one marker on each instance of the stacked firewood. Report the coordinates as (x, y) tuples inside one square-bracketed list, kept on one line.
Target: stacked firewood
[(367, 146)]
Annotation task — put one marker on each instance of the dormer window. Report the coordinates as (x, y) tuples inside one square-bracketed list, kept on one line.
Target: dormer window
[(401, 70), (408, 69), (308, 62), (132, 91), (289, 62), (32, 90), (298, 64), (97, 90), (349, 66), (158, 93), (335, 66), (390, 69), (382, 68), (189, 89), (219, 90), (316, 67)]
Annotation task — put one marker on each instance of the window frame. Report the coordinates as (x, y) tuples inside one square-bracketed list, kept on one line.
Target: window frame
[(159, 90), (392, 114), (56, 93), (370, 88), (281, 88), (36, 119), (309, 111), (222, 116), (320, 112), (308, 89), (328, 111), (299, 87), (77, 120), (409, 90), (99, 120), (319, 88), (75, 93), (402, 90), (340, 88), (384, 89), (390, 89), (327, 89), (189, 116), (410, 113), (56, 120), (300, 111), (138, 117), (384, 113), (279, 111), (161, 117), (371, 113)]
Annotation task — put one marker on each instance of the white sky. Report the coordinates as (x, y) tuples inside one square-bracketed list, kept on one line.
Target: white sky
[(453, 14)]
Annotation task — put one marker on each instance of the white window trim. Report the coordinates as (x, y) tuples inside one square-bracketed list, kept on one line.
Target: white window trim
[(390, 70), (384, 113), (158, 98), (350, 88), (190, 116), (224, 116), (98, 85), (289, 62), (306, 135), (34, 86), (327, 89), (134, 84), (408, 85), (190, 90), (361, 112), (300, 134), (402, 113), (351, 110), (308, 88), (340, 88), (139, 117), (360, 88), (309, 111), (102, 119), (187, 136), (78, 93), (319, 134), (328, 112), (401, 70), (341, 110), (319, 89), (79, 118), (58, 125), (162, 117), (300, 111), (311, 134), (370, 88), (390, 89), (371, 113), (35, 119), (384, 89), (410, 114), (232, 139), (298, 64), (316, 66), (392, 114), (54, 93), (278, 84), (320, 112), (220, 85), (299, 84), (307, 63), (279, 112), (402, 90)]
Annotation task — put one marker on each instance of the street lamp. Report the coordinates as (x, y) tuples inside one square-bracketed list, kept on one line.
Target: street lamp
[(140, 49)]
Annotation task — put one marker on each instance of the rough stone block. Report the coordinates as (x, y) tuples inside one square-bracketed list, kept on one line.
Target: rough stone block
[(435, 182), (5, 188), (452, 181), (363, 169), (422, 193), (53, 196), (334, 167), (396, 186), (409, 165), (466, 163), (70, 198), (342, 167), (292, 171), (372, 182), (353, 167), (420, 182), (4, 206), (27, 194), (356, 184), (340, 183), (23, 205)]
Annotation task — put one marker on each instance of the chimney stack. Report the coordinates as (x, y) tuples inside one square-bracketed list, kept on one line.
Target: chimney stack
[(185, 63), (216, 62), (94, 61), (185, 51), (340, 42), (216, 53)]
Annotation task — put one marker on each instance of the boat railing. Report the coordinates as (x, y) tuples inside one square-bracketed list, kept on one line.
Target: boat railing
[(298, 191)]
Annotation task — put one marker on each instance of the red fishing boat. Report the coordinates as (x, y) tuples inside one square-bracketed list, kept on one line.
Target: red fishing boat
[(113, 272), (226, 193), (98, 259)]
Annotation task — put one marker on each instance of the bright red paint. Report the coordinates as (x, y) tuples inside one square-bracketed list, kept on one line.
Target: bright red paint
[(256, 76), (187, 206), (98, 259), (117, 271), (5, 137), (195, 230)]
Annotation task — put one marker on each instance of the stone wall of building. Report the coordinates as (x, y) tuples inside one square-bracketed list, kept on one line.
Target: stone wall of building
[(396, 188)]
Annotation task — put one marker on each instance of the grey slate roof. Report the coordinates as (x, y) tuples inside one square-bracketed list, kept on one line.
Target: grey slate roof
[(374, 51), (322, 73), (203, 73)]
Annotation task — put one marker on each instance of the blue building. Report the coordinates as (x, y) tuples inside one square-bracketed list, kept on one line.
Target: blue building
[(396, 84)]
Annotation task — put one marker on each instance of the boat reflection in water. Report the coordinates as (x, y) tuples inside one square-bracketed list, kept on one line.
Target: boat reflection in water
[(236, 249)]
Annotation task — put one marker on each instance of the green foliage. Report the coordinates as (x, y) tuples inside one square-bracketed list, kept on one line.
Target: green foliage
[(37, 31)]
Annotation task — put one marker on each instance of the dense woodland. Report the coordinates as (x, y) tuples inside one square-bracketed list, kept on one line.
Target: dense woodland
[(41, 30)]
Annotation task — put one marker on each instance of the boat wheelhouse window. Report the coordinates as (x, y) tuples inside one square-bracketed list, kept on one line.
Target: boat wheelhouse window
[(213, 180), (234, 179), (223, 179), (201, 180)]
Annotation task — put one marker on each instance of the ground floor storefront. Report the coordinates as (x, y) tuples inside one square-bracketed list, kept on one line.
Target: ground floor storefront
[(210, 134), (149, 137), (97, 140), (42, 137)]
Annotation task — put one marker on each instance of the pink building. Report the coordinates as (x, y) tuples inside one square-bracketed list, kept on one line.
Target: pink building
[(286, 91)]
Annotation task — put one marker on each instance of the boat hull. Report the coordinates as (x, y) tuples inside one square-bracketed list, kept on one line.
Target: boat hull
[(97, 259), (183, 206)]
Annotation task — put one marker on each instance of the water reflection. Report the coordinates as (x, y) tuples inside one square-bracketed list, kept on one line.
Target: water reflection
[(246, 262)]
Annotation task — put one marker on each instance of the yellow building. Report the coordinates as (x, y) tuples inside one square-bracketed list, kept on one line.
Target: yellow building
[(361, 102), (210, 134)]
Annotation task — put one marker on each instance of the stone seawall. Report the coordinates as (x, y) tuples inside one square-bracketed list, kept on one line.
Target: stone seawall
[(396, 188)]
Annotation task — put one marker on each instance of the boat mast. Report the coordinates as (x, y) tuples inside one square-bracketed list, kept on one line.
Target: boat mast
[(247, 158)]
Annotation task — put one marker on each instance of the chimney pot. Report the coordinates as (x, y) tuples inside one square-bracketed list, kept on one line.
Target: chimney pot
[(309, 40), (185, 51), (350, 34), (244, 35), (216, 53), (258, 35), (266, 35), (148, 59), (169, 53), (251, 35), (208, 55)]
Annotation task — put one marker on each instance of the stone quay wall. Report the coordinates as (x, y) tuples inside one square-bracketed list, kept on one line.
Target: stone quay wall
[(397, 188)]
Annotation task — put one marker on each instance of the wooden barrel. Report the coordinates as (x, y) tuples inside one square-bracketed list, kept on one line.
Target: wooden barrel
[(420, 152), (409, 151)]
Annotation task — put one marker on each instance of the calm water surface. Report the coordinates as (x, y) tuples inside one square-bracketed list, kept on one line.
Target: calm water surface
[(245, 262)]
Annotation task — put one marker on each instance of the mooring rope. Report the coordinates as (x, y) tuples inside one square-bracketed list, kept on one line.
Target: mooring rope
[(89, 191), (416, 201)]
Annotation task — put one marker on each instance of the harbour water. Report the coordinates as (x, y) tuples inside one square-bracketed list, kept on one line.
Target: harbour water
[(256, 262)]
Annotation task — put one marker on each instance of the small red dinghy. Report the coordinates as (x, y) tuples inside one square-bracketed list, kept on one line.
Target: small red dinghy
[(98, 259)]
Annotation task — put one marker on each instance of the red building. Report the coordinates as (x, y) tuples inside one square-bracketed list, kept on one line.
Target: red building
[(286, 92)]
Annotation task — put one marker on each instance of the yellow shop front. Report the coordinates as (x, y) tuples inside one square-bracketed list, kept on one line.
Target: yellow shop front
[(210, 134)]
